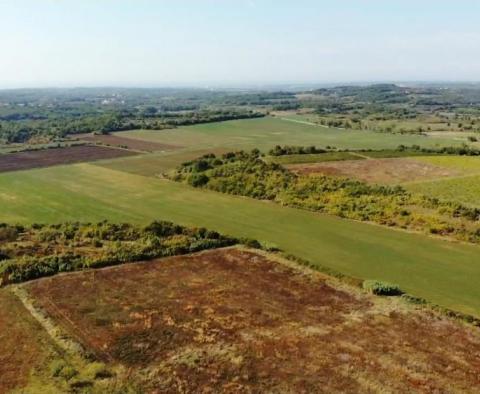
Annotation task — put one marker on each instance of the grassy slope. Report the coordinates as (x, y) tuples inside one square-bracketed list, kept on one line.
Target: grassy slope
[(443, 272), (266, 132)]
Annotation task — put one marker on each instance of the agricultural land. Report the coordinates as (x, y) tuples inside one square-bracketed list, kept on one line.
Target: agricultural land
[(197, 240)]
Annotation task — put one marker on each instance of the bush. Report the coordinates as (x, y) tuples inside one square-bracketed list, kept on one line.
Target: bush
[(382, 288), (68, 372), (97, 370), (198, 180)]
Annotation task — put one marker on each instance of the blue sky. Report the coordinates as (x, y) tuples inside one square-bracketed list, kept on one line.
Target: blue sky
[(232, 42)]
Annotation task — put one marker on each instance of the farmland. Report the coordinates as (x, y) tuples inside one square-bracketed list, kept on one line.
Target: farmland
[(237, 319), (48, 157), (382, 171), (314, 158), (128, 143), (233, 319), (24, 347), (443, 272), (463, 188), (265, 132)]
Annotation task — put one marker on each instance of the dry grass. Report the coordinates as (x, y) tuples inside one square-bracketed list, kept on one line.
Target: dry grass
[(24, 346), (390, 171), (233, 320)]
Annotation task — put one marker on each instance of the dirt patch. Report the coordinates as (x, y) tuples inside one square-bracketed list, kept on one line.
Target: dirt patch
[(235, 321), (395, 170), (23, 344), (128, 143), (51, 157)]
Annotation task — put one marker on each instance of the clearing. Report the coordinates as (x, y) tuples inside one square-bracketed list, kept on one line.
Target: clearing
[(52, 157), (233, 320)]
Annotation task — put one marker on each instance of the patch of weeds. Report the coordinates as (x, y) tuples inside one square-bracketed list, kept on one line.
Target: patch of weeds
[(96, 370), (68, 372), (382, 288), (56, 367), (414, 300)]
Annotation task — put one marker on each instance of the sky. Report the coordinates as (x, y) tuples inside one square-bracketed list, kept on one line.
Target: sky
[(57, 43)]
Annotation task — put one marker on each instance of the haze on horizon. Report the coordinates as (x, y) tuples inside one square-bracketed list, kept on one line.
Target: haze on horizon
[(187, 42)]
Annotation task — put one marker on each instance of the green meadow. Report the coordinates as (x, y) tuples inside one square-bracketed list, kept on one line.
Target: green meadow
[(464, 188), (444, 272)]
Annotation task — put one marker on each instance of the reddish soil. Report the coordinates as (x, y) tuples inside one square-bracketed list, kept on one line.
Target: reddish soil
[(51, 157), (23, 343), (235, 321), (129, 143), (396, 170)]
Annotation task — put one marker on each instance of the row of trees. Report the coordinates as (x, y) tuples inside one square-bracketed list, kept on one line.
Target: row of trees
[(24, 130)]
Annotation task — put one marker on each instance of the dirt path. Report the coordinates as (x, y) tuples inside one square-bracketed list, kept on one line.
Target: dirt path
[(360, 155), (305, 122)]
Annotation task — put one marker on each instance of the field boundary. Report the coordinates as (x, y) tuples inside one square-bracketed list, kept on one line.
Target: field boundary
[(56, 333)]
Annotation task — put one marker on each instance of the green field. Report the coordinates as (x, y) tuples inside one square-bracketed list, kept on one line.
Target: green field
[(464, 189), (468, 164), (443, 272), (429, 124), (314, 158), (266, 132), (155, 163)]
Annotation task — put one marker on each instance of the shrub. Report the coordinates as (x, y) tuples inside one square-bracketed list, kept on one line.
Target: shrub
[(8, 233), (68, 372), (97, 370), (382, 288), (197, 180)]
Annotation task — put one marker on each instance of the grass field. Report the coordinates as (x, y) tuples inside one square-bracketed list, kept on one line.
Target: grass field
[(266, 132), (464, 189), (443, 272), (468, 164), (313, 158), (430, 124), (157, 163)]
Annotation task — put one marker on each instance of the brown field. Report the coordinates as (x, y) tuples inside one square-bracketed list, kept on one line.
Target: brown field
[(23, 344), (395, 170), (51, 157), (232, 320), (129, 143)]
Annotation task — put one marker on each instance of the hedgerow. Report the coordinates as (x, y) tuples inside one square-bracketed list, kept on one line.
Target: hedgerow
[(40, 251)]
